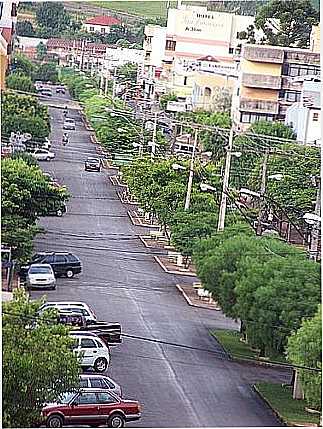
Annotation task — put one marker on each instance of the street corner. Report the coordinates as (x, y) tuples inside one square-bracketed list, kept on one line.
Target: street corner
[(190, 293)]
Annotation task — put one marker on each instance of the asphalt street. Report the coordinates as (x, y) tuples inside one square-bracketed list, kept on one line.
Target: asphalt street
[(178, 387)]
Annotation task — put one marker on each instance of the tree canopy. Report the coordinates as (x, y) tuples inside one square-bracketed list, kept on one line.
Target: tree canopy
[(52, 17), (305, 349), (29, 382), (287, 23)]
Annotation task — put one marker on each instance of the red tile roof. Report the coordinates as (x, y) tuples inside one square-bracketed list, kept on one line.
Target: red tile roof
[(6, 33), (103, 20)]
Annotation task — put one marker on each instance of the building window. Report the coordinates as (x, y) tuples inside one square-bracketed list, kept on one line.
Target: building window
[(294, 70), (291, 96), (185, 80), (102, 30), (170, 45), (231, 50), (207, 92), (91, 29), (238, 91), (250, 118), (315, 117)]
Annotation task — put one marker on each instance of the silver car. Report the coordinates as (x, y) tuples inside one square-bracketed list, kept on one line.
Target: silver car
[(101, 381), (40, 276), (69, 124)]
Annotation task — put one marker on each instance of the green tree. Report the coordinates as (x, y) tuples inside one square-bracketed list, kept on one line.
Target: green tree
[(248, 35), (129, 71), (296, 18), (20, 82), (41, 51), (34, 125), (52, 17), (25, 28), (30, 381), (22, 64), (47, 72), (164, 99), (305, 349)]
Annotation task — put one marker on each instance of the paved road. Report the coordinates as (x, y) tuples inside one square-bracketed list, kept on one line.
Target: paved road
[(178, 387)]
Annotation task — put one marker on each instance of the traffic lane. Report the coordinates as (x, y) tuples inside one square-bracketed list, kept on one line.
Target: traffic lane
[(131, 316)]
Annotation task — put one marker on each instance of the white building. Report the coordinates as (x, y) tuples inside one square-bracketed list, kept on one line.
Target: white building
[(305, 116), (116, 57), (100, 24), (192, 33)]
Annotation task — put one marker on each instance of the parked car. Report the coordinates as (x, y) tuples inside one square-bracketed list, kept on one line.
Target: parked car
[(40, 276), (110, 333), (100, 382), (63, 263), (92, 407), (69, 124), (92, 164), (60, 90), (71, 306), (42, 155), (47, 92), (94, 353)]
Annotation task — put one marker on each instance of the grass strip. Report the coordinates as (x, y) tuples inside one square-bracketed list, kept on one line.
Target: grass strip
[(280, 398)]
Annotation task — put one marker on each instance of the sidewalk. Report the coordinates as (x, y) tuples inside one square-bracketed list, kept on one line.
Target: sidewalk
[(138, 220), (172, 268), (192, 298)]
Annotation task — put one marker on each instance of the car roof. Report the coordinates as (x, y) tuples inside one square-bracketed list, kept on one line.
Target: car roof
[(53, 253), (66, 303), (69, 120), (95, 376), (83, 334), (41, 266)]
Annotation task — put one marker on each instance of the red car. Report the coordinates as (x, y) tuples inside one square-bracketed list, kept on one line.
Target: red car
[(92, 407)]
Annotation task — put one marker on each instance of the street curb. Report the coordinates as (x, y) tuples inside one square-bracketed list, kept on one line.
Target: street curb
[(279, 417), (145, 225), (180, 273), (191, 303), (251, 361), (117, 182)]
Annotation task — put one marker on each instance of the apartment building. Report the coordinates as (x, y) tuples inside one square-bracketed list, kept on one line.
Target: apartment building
[(270, 80), (192, 33), (305, 116), (100, 24), (8, 19)]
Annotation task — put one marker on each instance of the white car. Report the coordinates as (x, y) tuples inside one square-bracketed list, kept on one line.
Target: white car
[(40, 276), (69, 124), (93, 352), (71, 306), (100, 381), (43, 155)]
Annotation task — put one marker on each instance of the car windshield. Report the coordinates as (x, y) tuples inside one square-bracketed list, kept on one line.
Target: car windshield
[(92, 160), (69, 120), (66, 397), (40, 270)]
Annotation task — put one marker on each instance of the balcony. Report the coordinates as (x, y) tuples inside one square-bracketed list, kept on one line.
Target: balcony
[(261, 81), (302, 57), (289, 83), (258, 106), (263, 54)]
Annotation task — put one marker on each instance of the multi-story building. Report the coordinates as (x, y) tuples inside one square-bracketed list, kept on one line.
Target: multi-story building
[(192, 33), (8, 19), (100, 24), (270, 80), (305, 116), (315, 40)]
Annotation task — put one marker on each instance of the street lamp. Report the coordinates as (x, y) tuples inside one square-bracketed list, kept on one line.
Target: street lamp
[(177, 167), (205, 187)]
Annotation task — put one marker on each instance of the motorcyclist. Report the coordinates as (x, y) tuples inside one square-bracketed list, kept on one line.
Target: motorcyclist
[(65, 111), (65, 139)]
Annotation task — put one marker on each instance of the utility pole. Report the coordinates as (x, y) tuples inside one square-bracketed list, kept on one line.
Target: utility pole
[(114, 83), (153, 147), (190, 177), (226, 178), (262, 192), (315, 236)]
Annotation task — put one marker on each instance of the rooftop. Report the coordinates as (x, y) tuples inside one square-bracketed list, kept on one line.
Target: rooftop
[(103, 20)]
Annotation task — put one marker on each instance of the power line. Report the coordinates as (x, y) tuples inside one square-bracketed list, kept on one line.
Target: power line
[(173, 344)]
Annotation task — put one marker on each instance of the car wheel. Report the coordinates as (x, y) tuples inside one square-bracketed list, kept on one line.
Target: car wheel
[(100, 365), (54, 421), (116, 421), (53, 287), (48, 158), (69, 274), (59, 213)]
